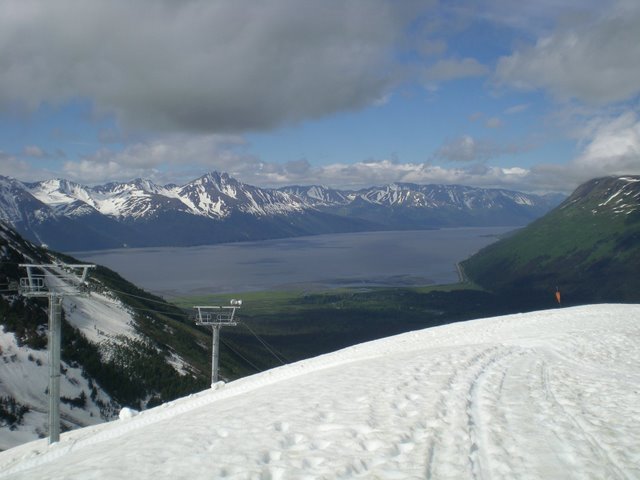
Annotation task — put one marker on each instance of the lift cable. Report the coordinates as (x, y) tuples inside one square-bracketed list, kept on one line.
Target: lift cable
[(168, 314), (253, 365), (276, 356), (279, 357), (162, 302)]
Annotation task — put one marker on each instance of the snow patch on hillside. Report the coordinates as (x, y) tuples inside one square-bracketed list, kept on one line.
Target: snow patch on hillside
[(550, 394), (624, 199), (24, 376), (99, 317)]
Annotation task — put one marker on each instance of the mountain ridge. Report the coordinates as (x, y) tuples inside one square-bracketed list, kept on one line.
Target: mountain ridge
[(218, 208), (588, 247)]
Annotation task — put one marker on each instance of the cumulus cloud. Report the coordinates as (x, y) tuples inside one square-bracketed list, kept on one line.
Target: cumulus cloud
[(169, 157), (613, 147), (380, 172), (201, 66), (163, 161), (610, 146), (11, 166), (426, 173), (596, 60)]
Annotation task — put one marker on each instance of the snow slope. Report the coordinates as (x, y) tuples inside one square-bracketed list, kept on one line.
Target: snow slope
[(24, 372), (549, 394), (24, 376)]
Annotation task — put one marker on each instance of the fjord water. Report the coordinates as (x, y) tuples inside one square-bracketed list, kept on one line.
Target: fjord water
[(397, 258)]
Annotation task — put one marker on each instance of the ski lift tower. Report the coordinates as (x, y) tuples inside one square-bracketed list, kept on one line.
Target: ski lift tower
[(55, 281), (217, 317)]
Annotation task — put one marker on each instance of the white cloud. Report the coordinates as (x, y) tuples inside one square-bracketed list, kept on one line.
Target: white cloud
[(367, 173), (198, 65), (610, 146), (614, 147), (169, 157), (94, 171), (163, 160), (461, 149), (11, 166), (594, 60)]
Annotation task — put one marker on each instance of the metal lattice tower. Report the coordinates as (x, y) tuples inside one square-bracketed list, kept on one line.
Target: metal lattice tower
[(55, 281), (217, 317)]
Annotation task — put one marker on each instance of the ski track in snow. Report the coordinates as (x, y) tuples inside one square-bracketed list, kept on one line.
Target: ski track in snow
[(551, 394)]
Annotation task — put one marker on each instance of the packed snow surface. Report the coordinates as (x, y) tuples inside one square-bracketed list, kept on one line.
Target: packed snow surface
[(549, 394)]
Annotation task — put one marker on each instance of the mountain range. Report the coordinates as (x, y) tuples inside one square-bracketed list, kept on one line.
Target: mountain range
[(123, 346), (215, 208)]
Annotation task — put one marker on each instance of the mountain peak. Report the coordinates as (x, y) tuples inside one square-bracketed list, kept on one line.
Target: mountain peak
[(215, 177)]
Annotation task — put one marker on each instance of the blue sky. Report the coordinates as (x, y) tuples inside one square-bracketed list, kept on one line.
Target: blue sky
[(345, 93)]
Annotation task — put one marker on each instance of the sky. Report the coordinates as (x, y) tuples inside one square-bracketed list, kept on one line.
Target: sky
[(533, 96)]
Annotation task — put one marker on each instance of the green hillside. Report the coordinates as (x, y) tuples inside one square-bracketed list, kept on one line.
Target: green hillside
[(589, 247)]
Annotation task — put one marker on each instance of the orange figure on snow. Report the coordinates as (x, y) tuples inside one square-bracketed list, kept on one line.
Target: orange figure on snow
[(558, 295)]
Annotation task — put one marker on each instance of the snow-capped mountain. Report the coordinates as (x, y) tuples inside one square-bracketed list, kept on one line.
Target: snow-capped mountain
[(18, 206), (216, 208), (320, 196), (416, 196), (407, 205), (217, 195), (213, 195), (59, 192), (547, 394)]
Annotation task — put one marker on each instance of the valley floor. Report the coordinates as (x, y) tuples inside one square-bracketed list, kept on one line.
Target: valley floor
[(548, 394)]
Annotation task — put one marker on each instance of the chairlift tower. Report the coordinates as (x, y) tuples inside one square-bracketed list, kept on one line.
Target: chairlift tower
[(217, 317), (55, 281)]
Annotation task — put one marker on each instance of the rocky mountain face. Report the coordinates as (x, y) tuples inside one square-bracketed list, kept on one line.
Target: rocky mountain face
[(588, 247), (217, 208)]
